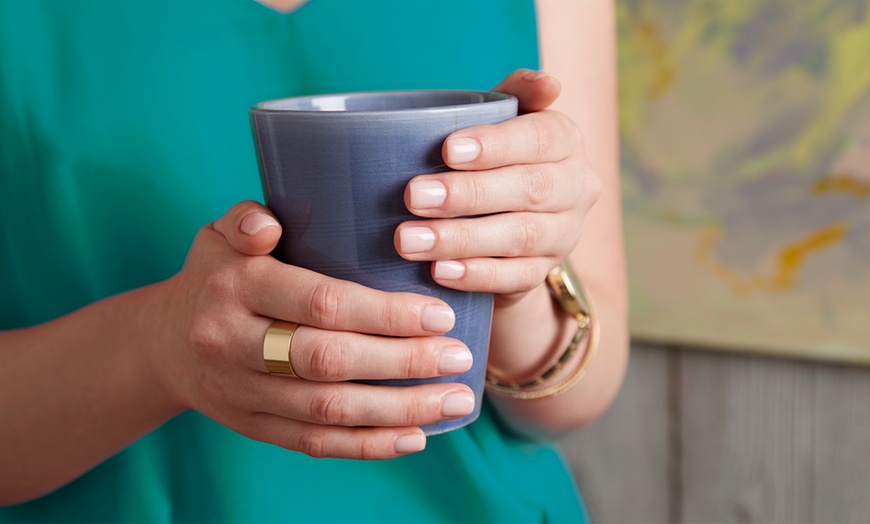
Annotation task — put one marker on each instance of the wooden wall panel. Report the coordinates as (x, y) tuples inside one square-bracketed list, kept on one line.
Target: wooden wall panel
[(698, 436), (747, 439), (621, 462), (841, 451)]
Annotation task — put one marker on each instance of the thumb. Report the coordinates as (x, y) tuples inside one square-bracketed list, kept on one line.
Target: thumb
[(250, 228), (535, 90)]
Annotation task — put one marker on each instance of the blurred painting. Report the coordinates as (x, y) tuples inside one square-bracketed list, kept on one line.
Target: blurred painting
[(746, 173)]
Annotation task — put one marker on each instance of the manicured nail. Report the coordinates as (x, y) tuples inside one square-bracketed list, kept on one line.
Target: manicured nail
[(256, 222), (410, 443), (461, 150), (427, 193), (416, 239), (439, 319), (448, 270), (457, 405), (455, 359), (531, 76)]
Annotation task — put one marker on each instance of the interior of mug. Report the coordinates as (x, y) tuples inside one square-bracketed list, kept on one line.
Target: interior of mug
[(382, 101)]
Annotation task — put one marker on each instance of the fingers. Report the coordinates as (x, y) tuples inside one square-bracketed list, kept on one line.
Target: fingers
[(352, 404), (496, 275), (544, 187), (250, 228), (503, 235), (535, 90), (333, 356), (337, 442), (281, 291), (546, 136)]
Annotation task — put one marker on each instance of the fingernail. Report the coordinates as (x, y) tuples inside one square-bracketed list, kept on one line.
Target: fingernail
[(256, 222), (461, 150), (439, 319), (427, 193), (410, 443), (416, 239), (455, 359), (448, 270), (531, 76), (457, 405)]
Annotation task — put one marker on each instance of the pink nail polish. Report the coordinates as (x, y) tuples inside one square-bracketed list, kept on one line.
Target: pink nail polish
[(439, 319), (410, 443), (427, 193), (448, 270), (457, 404), (461, 150), (256, 222), (416, 239), (455, 359)]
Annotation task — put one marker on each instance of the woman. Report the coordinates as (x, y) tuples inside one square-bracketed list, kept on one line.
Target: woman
[(126, 130)]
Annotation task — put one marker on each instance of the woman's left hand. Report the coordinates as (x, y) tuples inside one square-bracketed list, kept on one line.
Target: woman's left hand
[(523, 185)]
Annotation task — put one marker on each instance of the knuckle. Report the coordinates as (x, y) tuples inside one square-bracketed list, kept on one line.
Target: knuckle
[(391, 316), (369, 448), (488, 276), (529, 235), (414, 410), (327, 359), (323, 304), (413, 362), (312, 443), (592, 186), (537, 186), (220, 281), (473, 193), (543, 137), (330, 408), (206, 337), (461, 237)]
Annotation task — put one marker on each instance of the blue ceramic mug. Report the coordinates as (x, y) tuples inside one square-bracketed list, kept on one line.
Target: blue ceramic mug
[(334, 170)]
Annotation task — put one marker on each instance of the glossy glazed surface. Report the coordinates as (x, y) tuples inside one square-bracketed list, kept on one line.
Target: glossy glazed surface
[(334, 169)]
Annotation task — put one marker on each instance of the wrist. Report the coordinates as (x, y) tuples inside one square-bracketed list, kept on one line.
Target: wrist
[(155, 326), (529, 336), (569, 293)]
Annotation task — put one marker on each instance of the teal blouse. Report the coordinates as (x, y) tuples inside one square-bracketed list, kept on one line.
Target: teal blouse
[(124, 128)]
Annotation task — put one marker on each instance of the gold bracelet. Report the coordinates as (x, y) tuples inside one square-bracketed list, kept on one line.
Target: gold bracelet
[(568, 291)]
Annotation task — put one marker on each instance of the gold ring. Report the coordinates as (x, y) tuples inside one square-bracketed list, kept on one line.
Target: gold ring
[(276, 348)]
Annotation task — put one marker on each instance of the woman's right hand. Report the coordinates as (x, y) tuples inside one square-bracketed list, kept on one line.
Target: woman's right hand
[(210, 355)]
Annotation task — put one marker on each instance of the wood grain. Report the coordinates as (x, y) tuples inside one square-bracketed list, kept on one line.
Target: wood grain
[(701, 436), (621, 462)]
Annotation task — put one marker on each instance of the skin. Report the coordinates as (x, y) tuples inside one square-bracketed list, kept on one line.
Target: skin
[(124, 365)]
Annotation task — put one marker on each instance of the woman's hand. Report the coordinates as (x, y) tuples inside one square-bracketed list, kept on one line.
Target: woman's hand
[(211, 356), (529, 179), (510, 211)]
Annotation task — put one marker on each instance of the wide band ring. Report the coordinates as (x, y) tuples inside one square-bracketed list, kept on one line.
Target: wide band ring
[(276, 348)]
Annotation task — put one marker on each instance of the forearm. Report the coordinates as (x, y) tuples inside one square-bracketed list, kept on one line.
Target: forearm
[(577, 43), (75, 391)]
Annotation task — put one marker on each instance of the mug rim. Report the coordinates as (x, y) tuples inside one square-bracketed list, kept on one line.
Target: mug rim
[(490, 98)]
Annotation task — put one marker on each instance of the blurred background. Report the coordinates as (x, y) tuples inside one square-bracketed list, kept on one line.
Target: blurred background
[(746, 173)]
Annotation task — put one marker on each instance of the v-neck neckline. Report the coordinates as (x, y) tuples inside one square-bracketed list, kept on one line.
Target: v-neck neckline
[(275, 9)]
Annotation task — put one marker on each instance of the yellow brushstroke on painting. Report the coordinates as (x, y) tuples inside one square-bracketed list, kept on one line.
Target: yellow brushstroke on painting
[(646, 66), (706, 254), (844, 183), (663, 69), (789, 261), (848, 80), (792, 256)]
